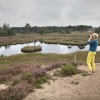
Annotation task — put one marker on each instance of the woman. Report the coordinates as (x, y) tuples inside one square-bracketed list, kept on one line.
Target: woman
[(93, 42)]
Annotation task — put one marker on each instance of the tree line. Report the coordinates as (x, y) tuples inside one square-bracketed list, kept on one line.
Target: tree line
[(50, 29), (5, 30), (97, 30)]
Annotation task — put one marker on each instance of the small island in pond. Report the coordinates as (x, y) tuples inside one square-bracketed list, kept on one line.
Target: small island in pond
[(28, 49)]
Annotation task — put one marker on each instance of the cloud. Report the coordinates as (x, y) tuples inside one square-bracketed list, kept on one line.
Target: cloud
[(49, 12), (85, 12)]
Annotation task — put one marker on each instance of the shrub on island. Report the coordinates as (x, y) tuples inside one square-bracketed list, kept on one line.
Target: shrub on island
[(28, 49)]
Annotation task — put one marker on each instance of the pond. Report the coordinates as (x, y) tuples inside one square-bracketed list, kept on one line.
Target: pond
[(46, 48)]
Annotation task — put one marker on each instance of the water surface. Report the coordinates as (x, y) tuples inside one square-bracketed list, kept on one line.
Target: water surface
[(46, 48)]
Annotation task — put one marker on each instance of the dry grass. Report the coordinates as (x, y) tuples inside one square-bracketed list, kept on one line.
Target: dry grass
[(28, 49), (72, 38)]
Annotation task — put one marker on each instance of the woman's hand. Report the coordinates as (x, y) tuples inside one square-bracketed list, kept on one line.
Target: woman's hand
[(90, 38)]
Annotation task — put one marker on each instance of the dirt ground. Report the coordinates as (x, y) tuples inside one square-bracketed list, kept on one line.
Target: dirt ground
[(77, 87)]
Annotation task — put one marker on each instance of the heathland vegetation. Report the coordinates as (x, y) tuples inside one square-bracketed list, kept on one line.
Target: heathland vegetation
[(74, 38), (72, 35), (25, 72)]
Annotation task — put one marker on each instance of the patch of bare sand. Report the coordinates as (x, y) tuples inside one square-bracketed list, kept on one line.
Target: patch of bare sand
[(87, 88), (3, 86)]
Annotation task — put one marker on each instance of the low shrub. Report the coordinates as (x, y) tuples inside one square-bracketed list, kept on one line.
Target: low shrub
[(39, 81), (31, 49), (2, 55), (76, 83), (13, 70), (16, 92), (86, 74), (27, 75), (23, 78), (5, 78), (55, 65), (68, 70), (15, 82)]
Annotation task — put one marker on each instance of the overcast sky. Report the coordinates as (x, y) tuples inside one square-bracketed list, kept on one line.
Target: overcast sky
[(50, 12)]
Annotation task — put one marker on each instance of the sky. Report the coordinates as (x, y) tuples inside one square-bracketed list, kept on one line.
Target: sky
[(17, 13)]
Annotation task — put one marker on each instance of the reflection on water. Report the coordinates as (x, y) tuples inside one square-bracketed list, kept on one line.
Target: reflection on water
[(46, 48), (69, 46), (81, 47)]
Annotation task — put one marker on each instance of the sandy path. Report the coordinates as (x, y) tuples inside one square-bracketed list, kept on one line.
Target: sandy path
[(87, 88)]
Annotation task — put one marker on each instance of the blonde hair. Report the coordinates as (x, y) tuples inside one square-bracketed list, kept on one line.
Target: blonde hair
[(95, 35)]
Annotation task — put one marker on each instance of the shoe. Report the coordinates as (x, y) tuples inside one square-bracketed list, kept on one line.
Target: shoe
[(90, 73), (93, 71)]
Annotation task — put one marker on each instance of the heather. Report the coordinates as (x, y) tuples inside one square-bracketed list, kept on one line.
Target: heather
[(23, 79), (26, 72)]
